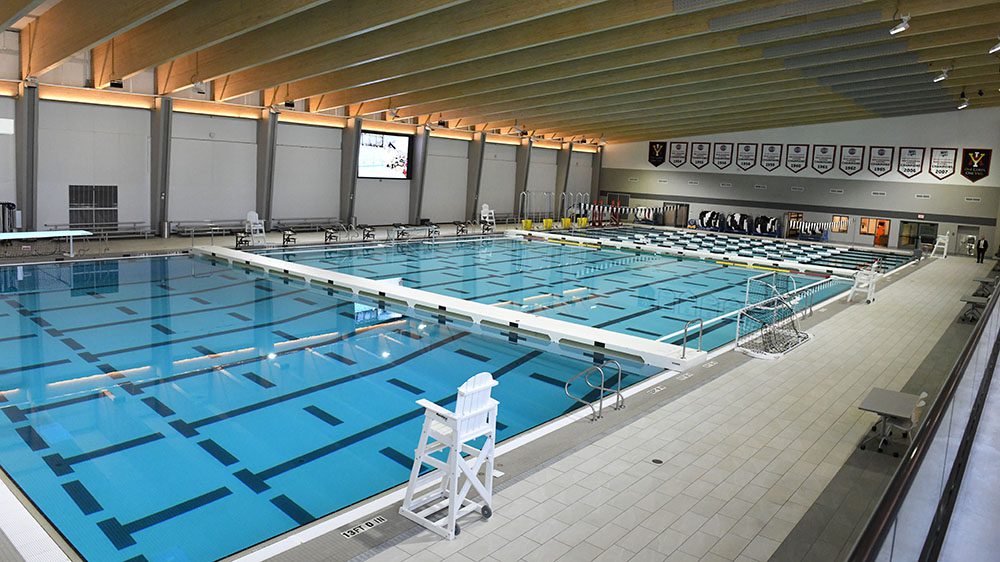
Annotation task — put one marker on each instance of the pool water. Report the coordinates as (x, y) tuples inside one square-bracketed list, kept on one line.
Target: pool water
[(817, 254), (178, 409), (640, 294)]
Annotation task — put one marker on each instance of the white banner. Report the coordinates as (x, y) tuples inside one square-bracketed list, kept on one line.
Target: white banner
[(770, 156), (880, 160), (746, 155), (722, 155), (678, 154), (823, 157), (700, 152), (911, 161), (797, 157), (852, 159), (942, 162)]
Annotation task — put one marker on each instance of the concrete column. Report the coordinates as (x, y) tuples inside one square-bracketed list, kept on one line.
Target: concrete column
[(419, 167), (159, 158), (26, 155), (595, 174), (563, 161), (477, 148), (350, 145), (522, 163), (267, 128)]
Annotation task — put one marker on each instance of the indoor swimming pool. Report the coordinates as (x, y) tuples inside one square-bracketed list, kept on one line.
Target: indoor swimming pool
[(250, 404), (816, 254), (639, 294)]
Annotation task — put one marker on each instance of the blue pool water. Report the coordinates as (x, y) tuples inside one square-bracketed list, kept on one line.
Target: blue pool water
[(640, 294), (178, 409)]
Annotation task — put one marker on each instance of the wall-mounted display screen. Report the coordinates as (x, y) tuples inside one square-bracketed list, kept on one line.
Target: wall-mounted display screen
[(384, 156)]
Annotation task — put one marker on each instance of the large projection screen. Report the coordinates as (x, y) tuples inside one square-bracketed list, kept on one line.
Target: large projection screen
[(384, 156)]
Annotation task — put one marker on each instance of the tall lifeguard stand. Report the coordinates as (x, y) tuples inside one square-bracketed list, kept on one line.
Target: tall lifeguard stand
[(448, 485)]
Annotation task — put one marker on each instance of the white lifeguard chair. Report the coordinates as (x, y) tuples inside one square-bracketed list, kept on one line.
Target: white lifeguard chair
[(255, 229), (487, 219), (865, 280), (450, 482), (941, 244)]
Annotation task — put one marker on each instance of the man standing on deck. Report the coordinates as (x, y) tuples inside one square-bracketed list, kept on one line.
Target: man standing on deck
[(981, 246)]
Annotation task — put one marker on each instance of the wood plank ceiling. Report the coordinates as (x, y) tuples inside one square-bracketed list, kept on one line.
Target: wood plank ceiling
[(583, 70)]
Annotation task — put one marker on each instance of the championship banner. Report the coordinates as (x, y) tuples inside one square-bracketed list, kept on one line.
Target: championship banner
[(976, 163), (700, 152), (657, 153), (823, 157), (722, 155), (911, 161), (852, 159), (942, 162), (770, 156), (880, 160), (797, 157), (678, 154), (746, 155)]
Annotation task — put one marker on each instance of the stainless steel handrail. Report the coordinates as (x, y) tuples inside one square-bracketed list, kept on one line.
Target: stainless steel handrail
[(596, 413), (701, 328)]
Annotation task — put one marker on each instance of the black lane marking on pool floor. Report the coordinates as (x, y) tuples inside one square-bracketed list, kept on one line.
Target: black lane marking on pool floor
[(127, 310), (324, 415), (163, 329), (16, 414), (172, 315), (82, 497), (406, 386), (191, 427), (548, 379), (472, 355), (259, 380), (398, 457), (223, 332), (341, 358), (120, 534), (292, 509), (143, 298), (32, 438), (257, 481), (62, 466), (34, 366), (159, 407), (218, 452)]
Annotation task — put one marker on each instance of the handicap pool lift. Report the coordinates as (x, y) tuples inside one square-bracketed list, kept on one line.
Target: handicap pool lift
[(449, 484)]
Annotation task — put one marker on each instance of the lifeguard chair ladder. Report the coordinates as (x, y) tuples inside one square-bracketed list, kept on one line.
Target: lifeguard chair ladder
[(941, 244), (451, 481)]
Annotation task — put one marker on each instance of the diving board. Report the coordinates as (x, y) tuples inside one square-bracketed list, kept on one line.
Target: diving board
[(544, 332), (37, 235)]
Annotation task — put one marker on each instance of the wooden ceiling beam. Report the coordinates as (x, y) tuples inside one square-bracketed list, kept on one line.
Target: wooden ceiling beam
[(333, 21), (755, 118), (657, 133), (978, 66), (737, 107), (595, 29), (13, 10), (463, 20), (725, 47), (699, 82), (72, 26), (180, 31)]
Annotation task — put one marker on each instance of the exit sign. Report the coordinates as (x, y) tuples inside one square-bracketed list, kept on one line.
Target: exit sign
[(920, 216)]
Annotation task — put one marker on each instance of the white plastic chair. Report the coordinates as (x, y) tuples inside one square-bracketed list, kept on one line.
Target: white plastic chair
[(255, 228), (487, 219), (474, 417)]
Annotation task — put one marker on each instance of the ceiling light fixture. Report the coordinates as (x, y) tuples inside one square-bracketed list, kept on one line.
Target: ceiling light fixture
[(996, 48), (900, 27), (942, 76), (963, 103)]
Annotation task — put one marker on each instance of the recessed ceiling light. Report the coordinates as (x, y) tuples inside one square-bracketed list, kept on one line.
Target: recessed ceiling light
[(942, 76)]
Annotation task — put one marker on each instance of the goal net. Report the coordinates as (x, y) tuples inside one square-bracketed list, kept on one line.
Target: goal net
[(768, 325)]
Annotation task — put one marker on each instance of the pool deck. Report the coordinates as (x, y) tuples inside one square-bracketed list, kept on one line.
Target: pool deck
[(745, 455), (748, 446)]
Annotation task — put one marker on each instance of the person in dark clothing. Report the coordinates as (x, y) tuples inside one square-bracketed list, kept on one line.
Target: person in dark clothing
[(981, 246)]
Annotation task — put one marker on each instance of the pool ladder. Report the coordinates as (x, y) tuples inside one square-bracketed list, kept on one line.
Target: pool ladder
[(597, 412)]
